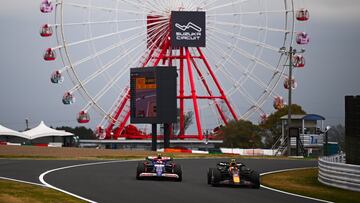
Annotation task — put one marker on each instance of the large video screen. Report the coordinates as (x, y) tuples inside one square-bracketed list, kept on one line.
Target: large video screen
[(145, 96), (153, 95)]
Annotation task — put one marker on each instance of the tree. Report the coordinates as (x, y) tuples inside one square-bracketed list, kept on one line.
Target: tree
[(188, 121), (337, 134), (81, 132), (272, 126), (242, 134)]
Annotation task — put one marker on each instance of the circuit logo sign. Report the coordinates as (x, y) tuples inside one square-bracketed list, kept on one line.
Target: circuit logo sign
[(190, 32), (188, 29), (188, 26)]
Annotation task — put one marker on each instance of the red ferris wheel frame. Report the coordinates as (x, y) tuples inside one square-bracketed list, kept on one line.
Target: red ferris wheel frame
[(189, 61)]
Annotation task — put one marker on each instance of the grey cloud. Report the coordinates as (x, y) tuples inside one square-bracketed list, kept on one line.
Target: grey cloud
[(334, 10)]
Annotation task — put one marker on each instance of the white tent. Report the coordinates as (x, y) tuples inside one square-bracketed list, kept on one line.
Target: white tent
[(8, 132), (44, 131)]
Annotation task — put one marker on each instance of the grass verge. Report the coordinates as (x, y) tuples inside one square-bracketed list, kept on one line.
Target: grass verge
[(305, 182), (14, 192), (48, 153)]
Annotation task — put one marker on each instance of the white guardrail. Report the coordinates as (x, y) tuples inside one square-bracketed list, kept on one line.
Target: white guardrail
[(334, 172)]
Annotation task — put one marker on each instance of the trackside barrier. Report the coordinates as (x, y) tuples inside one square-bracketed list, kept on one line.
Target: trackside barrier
[(248, 152), (13, 144), (9, 143), (174, 150), (51, 144), (199, 152), (235, 151), (41, 145), (55, 144), (334, 172)]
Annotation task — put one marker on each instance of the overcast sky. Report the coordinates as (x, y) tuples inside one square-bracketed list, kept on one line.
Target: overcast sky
[(332, 70)]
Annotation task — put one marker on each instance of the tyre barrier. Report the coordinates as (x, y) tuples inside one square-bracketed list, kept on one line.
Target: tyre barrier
[(333, 172)]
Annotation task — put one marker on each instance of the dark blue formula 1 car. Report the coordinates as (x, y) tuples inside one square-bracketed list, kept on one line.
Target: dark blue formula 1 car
[(159, 167)]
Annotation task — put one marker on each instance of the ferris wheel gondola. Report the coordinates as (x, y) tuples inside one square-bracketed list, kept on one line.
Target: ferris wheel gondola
[(49, 55), (302, 38), (298, 61), (46, 31), (302, 14), (46, 6)]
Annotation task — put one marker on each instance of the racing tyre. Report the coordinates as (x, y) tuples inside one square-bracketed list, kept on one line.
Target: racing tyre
[(140, 168), (255, 179), (178, 171), (215, 177), (209, 174)]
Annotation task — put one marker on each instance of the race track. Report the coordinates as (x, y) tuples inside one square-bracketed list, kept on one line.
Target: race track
[(115, 181)]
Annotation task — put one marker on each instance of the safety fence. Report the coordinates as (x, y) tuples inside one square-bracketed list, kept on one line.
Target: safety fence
[(334, 172)]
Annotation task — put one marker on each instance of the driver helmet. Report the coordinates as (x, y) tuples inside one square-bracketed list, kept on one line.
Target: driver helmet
[(159, 156), (233, 162)]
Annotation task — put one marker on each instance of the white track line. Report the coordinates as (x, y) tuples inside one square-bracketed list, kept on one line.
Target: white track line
[(41, 177), (22, 181), (288, 193)]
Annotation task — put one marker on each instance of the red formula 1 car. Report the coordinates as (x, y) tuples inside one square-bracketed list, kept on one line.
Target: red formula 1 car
[(159, 167), (233, 173)]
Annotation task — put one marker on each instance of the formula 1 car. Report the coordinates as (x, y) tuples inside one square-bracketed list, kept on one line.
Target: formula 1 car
[(159, 167), (233, 173)]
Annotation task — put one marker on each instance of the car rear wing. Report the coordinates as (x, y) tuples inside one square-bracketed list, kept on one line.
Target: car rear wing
[(162, 158)]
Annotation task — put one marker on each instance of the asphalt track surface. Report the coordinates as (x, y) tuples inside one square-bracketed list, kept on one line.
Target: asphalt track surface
[(115, 182)]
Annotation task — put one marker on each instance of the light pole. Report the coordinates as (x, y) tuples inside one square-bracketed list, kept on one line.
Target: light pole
[(27, 123), (290, 53), (326, 140)]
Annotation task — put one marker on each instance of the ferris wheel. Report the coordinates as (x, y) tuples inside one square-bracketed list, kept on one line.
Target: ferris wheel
[(234, 76)]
